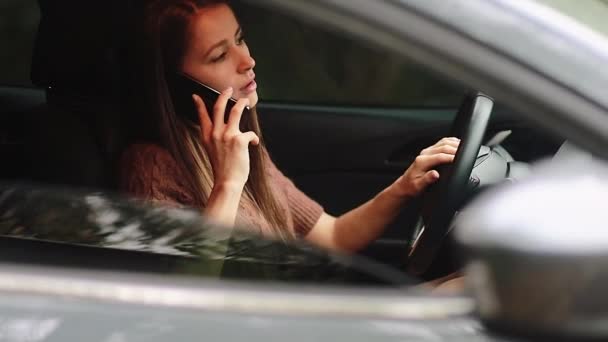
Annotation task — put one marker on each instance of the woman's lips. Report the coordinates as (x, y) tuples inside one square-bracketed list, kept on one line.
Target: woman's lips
[(250, 87)]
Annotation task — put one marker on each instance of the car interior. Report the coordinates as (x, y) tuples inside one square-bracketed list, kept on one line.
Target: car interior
[(69, 127)]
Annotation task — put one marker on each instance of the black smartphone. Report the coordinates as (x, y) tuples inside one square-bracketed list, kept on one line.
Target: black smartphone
[(182, 86)]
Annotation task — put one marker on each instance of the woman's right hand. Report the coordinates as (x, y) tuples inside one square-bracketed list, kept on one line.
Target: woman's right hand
[(226, 146)]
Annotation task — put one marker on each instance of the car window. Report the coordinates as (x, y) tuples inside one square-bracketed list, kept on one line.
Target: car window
[(61, 228), (324, 67), (106, 231), (18, 24)]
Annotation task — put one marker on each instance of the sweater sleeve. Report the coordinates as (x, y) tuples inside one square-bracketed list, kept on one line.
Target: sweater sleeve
[(149, 172), (304, 210)]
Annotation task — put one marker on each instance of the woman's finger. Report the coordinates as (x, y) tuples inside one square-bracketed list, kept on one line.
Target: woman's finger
[(220, 108), (247, 138), (203, 117), (422, 182), (427, 179), (235, 115), (447, 141), (427, 162), (449, 149), (443, 142), (454, 143)]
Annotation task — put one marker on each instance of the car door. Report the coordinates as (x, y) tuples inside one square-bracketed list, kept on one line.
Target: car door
[(345, 120)]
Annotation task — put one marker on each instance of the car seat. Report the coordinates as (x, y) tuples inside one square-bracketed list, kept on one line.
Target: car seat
[(70, 131)]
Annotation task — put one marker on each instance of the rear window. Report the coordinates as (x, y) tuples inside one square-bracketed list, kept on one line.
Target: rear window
[(18, 25)]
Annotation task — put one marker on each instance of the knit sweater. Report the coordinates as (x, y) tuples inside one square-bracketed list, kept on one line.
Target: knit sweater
[(149, 171)]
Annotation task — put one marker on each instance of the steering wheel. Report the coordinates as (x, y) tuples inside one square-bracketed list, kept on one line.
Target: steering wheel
[(444, 197)]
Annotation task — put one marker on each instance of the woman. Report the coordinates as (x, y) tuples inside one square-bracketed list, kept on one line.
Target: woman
[(222, 170)]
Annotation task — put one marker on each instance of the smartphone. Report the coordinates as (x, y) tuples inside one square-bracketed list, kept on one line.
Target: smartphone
[(182, 86)]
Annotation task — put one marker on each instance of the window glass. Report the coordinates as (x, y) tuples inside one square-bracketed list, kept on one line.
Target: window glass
[(299, 62), (94, 230), (18, 25)]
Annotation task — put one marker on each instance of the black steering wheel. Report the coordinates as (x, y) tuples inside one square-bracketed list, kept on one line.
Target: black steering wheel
[(444, 197)]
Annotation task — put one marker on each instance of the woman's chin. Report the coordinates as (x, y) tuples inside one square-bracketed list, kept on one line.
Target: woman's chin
[(253, 99)]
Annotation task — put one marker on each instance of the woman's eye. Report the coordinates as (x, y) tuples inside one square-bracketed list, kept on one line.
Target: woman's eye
[(219, 58), (240, 40)]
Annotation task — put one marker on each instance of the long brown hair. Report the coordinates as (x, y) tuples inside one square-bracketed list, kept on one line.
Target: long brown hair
[(165, 38)]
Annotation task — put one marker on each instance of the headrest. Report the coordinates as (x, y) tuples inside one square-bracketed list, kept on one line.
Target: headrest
[(79, 45)]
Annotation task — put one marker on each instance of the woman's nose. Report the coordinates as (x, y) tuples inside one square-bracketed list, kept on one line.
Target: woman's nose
[(247, 63)]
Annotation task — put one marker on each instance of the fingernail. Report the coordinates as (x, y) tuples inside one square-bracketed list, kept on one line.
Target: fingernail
[(229, 89)]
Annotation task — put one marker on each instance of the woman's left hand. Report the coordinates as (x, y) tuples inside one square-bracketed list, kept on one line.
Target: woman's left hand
[(421, 174)]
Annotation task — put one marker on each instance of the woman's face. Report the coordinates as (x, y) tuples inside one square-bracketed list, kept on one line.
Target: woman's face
[(217, 55)]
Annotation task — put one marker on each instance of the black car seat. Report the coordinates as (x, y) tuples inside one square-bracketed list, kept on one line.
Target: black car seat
[(76, 136), (15, 101)]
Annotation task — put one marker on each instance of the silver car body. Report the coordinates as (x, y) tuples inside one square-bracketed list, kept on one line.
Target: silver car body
[(523, 53)]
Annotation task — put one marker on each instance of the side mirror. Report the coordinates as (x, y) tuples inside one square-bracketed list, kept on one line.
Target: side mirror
[(537, 252)]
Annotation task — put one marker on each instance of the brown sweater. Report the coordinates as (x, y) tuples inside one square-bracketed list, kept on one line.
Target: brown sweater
[(149, 171)]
